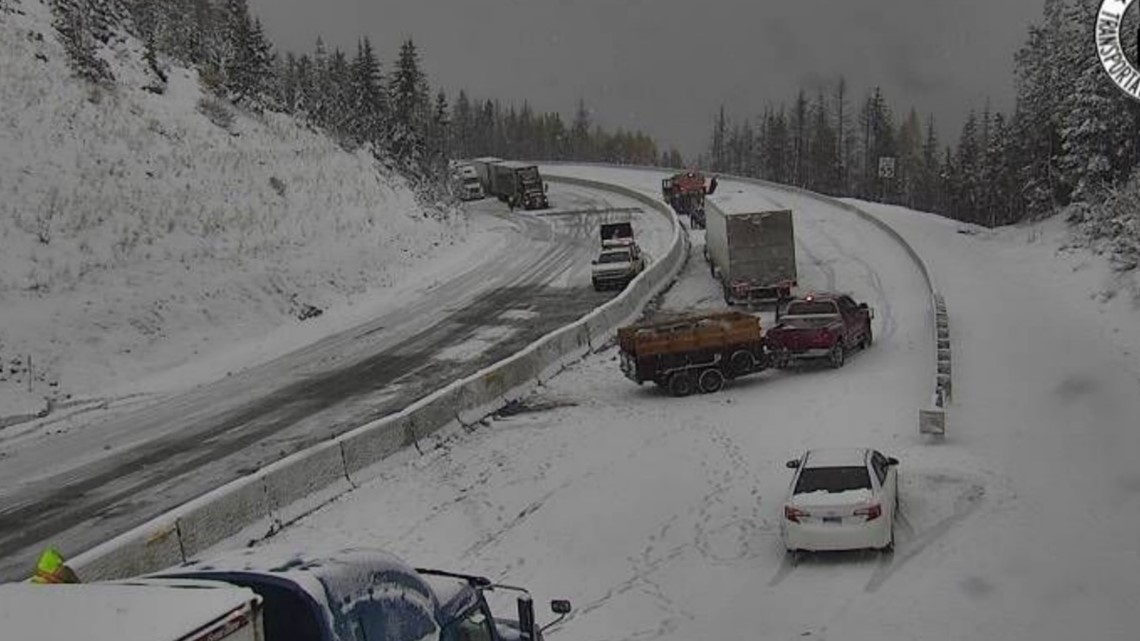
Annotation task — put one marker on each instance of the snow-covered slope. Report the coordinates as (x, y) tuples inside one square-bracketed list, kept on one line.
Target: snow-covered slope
[(136, 234)]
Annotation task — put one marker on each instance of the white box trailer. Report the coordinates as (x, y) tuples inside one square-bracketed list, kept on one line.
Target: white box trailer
[(483, 170), (751, 249), (131, 610)]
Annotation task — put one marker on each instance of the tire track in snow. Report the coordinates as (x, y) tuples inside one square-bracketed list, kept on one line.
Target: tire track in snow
[(888, 323)]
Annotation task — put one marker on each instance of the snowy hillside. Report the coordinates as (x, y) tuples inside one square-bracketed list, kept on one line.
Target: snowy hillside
[(140, 228)]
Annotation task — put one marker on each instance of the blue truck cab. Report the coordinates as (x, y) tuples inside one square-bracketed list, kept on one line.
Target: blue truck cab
[(366, 595)]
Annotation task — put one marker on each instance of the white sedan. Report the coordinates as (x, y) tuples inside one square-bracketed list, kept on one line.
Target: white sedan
[(841, 499)]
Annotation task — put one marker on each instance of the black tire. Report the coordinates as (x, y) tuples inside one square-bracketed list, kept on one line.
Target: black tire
[(710, 381), (681, 384), (838, 355), (741, 363)]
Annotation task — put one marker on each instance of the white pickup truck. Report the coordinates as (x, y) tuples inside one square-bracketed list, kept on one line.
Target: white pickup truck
[(616, 266)]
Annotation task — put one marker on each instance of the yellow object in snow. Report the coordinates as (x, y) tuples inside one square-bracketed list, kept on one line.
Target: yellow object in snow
[(51, 568)]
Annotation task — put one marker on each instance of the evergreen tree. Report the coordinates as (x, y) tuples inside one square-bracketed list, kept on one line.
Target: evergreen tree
[(82, 28), (339, 113), (408, 123), (997, 186), (908, 168), (462, 125), (369, 101), (439, 135), (927, 197), (718, 151), (1043, 65), (580, 147), (245, 60), (799, 146), (777, 149), (1097, 122), (842, 135), (967, 178), (821, 149)]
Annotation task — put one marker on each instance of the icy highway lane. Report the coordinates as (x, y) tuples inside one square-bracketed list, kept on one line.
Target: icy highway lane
[(74, 488)]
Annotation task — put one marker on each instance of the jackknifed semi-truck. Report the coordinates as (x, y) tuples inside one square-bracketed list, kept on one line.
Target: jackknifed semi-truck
[(751, 249)]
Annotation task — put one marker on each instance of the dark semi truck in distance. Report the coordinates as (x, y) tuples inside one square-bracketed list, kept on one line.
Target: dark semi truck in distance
[(516, 183)]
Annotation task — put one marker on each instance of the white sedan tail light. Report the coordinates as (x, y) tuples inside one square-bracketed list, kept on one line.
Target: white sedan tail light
[(794, 514)]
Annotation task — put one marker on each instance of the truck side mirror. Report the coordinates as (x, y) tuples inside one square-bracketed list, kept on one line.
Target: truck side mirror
[(560, 607), (545, 187), (526, 618), (792, 464), (862, 305)]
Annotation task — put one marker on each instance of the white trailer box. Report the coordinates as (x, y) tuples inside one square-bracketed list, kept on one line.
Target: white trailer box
[(131, 610), (751, 249)]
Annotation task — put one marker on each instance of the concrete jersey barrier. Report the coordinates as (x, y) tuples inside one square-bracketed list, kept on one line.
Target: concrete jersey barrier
[(267, 500)]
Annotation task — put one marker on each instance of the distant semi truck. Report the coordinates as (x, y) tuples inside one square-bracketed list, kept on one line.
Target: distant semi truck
[(482, 168), (685, 192), (467, 183), (517, 184), (750, 250)]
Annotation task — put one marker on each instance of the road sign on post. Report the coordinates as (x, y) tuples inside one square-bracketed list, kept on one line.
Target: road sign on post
[(886, 167)]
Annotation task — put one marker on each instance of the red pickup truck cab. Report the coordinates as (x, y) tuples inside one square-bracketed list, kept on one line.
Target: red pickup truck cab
[(819, 326)]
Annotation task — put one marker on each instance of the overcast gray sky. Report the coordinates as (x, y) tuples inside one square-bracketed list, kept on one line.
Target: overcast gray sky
[(664, 66)]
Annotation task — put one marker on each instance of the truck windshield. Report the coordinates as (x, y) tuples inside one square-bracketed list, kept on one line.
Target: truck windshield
[(614, 257), (810, 308), (475, 625), (528, 176), (833, 479)]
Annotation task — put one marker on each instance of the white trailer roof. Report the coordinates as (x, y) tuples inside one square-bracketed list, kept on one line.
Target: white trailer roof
[(515, 164), (739, 201), (143, 610)]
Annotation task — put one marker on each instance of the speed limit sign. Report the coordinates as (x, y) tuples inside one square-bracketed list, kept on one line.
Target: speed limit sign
[(886, 167)]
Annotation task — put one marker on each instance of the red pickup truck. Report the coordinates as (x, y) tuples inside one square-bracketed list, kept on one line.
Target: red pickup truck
[(819, 326)]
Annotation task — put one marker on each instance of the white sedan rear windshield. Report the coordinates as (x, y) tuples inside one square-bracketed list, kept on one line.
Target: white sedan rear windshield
[(833, 479)]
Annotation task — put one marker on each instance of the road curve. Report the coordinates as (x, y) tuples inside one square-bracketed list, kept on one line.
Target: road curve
[(171, 451)]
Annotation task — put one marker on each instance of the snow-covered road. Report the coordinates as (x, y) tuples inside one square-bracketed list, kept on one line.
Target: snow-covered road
[(77, 481), (659, 516)]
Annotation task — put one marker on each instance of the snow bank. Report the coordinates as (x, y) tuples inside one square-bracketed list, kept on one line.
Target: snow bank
[(137, 235)]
